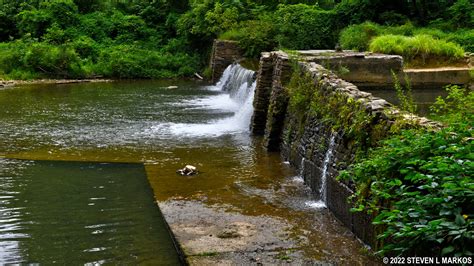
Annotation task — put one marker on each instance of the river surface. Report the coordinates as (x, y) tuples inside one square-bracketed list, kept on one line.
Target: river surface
[(81, 163), (423, 97)]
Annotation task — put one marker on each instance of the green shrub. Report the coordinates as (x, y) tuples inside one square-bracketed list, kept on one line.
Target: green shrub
[(55, 61), (306, 27), (406, 29), (211, 18), (457, 106), (464, 37), (416, 47), (234, 34), (420, 185), (97, 26), (36, 21), (45, 59), (86, 47), (254, 36), (125, 61), (357, 37), (462, 14)]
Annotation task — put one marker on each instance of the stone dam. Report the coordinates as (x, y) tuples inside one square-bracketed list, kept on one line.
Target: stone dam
[(321, 143)]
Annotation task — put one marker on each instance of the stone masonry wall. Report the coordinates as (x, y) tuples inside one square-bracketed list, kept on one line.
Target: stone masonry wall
[(277, 102), (304, 139), (262, 94), (223, 54), (360, 68)]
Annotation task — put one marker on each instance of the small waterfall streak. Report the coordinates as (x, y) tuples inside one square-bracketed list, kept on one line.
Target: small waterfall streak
[(300, 176), (324, 174), (321, 203)]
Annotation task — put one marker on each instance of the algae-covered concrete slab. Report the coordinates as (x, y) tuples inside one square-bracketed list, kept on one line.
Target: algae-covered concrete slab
[(211, 235), (439, 76)]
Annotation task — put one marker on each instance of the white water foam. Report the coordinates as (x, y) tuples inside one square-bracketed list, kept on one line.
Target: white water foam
[(238, 85), (216, 102), (312, 204)]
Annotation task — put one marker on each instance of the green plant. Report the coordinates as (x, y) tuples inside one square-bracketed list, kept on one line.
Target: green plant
[(310, 98), (462, 13), (416, 47), (404, 95), (305, 27), (254, 36), (419, 185), (357, 37), (464, 37), (458, 105)]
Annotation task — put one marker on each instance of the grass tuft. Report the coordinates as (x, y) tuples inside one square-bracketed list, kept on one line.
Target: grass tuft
[(416, 48)]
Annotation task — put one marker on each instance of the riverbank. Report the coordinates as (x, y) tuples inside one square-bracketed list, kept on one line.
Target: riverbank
[(11, 83)]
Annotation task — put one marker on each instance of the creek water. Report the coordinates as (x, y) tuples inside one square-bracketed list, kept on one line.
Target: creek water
[(80, 213), (81, 165), (423, 97)]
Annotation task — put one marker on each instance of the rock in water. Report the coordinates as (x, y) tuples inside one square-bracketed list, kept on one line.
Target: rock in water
[(187, 170)]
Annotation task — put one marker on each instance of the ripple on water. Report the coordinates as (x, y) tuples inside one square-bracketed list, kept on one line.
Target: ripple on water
[(49, 218), (135, 122)]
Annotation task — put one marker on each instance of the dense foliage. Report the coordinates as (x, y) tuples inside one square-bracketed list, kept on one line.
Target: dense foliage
[(360, 36), (420, 184), (77, 39), (169, 38)]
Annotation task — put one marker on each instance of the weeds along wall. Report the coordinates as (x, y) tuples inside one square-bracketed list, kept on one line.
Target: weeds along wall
[(310, 109)]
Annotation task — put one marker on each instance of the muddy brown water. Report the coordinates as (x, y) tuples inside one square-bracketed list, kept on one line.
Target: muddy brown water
[(60, 143)]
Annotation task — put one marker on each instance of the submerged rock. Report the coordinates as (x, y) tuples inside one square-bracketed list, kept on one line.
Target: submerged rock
[(187, 170), (229, 233)]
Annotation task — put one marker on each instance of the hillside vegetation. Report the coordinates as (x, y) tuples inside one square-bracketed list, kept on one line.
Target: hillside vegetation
[(170, 38)]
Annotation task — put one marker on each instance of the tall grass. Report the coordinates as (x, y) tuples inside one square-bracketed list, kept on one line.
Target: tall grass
[(358, 37), (418, 47)]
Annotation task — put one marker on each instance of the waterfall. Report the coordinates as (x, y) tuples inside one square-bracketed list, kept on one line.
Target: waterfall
[(324, 174), (321, 203), (240, 84), (237, 81), (237, 85)]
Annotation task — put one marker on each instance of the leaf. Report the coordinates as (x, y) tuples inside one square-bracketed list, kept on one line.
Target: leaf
[(445, 212), (459, 220), (447, 250)]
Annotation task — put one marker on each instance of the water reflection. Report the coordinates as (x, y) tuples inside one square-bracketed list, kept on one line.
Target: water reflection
[(76, 213), (165, 129)]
